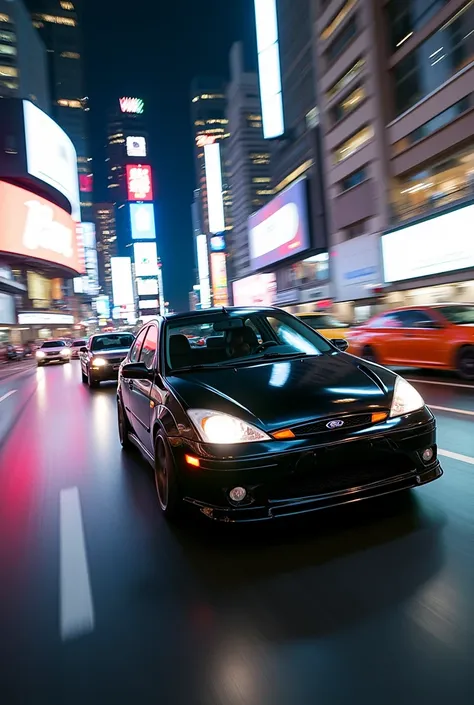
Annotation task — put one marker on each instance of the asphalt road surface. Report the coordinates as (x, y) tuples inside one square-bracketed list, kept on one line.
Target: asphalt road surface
[(103, 603)]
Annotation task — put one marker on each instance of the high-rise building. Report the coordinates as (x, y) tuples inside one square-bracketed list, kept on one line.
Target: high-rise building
[(104, 218), (248, 154), (59, 25), (130, 183), (396, 100), (23, 66)]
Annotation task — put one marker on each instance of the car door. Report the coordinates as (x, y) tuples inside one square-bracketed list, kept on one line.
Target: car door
[(140, 389), (85, 357), (133, 356), (422, 339), (381, 335)]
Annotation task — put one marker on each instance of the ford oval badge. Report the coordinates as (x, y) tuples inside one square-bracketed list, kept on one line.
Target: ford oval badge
[(337, 423)]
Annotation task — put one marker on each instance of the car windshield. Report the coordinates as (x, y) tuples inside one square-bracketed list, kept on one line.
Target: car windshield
[(323, 321), (78, 344), (54, 344), (459, 315), (109, 342), (240, 337)]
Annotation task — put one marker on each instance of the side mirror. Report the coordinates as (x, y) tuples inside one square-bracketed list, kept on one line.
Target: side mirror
[(136, 370), (83, 350), (340, 344)]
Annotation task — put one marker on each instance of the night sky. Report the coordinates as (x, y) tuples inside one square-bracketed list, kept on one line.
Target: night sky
[(153, 49)]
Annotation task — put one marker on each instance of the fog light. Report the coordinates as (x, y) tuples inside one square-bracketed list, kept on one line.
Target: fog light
[(427, 455), (238, 494)]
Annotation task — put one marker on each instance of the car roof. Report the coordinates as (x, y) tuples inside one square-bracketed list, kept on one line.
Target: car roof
[(217, 309), (422, 306), (312, 313)]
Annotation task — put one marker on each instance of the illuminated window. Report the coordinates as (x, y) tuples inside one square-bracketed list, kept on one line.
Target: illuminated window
[(64, 103), (259, 157), (199, 122), (9, 84), (211, 96), (261, 180), (56, 19), (4, 18), (353, 144), (8, 71), (346, 79), (70, 55), (340, 17), (7, 50), (38, 25), (67, 5), (265, 192), (195, 99), (349, 104), (7, 36)]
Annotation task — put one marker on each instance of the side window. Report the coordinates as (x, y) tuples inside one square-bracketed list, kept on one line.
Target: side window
[(389, 320), (137, 346), (150, 345), (417, 319)]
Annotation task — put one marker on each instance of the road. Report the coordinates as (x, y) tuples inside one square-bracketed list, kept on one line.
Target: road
[(102, 602)]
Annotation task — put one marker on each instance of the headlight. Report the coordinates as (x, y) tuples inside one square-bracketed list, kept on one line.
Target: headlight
[(99, 362), (40, 353), (65, 352), (405, 398), (215, 427)]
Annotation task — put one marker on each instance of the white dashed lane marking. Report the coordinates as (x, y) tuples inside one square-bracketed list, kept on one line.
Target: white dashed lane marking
[(449, 410), (8, 394), (456, 456)]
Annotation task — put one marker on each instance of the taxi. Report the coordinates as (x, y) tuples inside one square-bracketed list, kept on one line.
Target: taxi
[(439, 336), (325, 324)]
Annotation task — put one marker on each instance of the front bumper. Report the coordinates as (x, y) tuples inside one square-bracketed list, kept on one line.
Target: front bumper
[(311, 476), (107, 373), (52, 358)]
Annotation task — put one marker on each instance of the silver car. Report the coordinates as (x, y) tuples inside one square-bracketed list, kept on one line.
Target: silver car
[(53, 351)]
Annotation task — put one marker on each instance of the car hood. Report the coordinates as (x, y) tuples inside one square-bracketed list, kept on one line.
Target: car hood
[(55, 349), (108, 354), (287, 392)]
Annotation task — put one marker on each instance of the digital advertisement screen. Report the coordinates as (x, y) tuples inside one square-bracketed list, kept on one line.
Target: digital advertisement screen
[(257, 290), (440, 244), (147, 287), (281, 228), (35, 319), (86, 183), (148, 303), (122, 285), (142, 221), (132, 105), (217, 243), (203, 271), (219, 279), (136, 146), (102, 305), (33, 227), (145, 257), (139, 184), (269, 73), (50, 155), (215, 202)]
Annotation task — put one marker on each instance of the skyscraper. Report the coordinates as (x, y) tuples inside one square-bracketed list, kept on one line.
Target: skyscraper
[(104, 217), (59, 25)]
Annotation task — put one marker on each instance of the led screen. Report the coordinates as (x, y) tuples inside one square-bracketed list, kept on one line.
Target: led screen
[(146, 259), (122, 285), (257, 290), (280, 229), (148, 303), (269, 68), (139, 184), (203, 270), (132, 105), (440, 244), (218, 243), (215, 203), (142, 221), (147, 287), (219, 279), (102, 305), (136, 146)]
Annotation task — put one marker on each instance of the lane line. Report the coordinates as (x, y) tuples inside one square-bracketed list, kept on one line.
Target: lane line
[(456, 456), (8, 394), (76, 607), (442, 384), (451, 411)]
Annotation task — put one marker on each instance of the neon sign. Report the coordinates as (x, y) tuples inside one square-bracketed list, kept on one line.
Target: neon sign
[(132, 105)]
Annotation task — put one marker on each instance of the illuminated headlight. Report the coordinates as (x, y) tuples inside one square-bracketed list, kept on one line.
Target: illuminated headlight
[(40, 354), (99, 362), (405, 399), (66, 352), (215, 427)]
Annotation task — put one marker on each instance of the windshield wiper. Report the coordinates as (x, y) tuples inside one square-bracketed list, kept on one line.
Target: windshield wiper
[(192, 368), (270, 355)]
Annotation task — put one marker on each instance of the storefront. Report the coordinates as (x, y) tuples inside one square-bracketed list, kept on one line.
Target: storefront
[(431, 261)]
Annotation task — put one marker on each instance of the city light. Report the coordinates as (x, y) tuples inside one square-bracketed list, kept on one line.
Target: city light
[(203, 271), (146, 259), (136, 147), (142, 220), (215, 203), (269, 68), (219, 279), (122, 285), (147, 287), (132, 105), (256, 290), (139, 182)]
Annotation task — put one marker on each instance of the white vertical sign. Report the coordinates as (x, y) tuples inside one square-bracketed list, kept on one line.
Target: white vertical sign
[(215, 203), (203, 270)]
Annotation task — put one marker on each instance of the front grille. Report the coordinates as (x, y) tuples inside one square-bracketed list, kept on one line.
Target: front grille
[(115, 360), (354, 421)]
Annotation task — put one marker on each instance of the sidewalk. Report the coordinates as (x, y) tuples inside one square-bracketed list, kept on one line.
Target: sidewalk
[(7, 369)]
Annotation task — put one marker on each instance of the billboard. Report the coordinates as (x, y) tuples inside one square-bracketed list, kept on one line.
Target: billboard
[(440, 244), (136, 146), (147, 304), (256, 290), (269, 74), (86, 183), (215, 203), (45, 319), (355, 267), (33, 227), (145, 257), (219, 279), (217, 243), (142, 221), (139, 185), (132, 105), (203, 271), (122, 286), (102, 306), (281, 228), (50, 155), (147, 287)]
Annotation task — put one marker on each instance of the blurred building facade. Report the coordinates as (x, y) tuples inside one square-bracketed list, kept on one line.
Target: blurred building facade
[(249, 160), (104, 217), (395, 90)]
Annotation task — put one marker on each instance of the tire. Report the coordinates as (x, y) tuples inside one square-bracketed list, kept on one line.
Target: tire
[(167, 489), (84, 377), (93, 383), (465, 362), (368, 353), (124, 438), (40, 364)]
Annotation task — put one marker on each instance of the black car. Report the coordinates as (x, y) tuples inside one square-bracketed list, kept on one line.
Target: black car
[(101, 357), (268, 418)]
